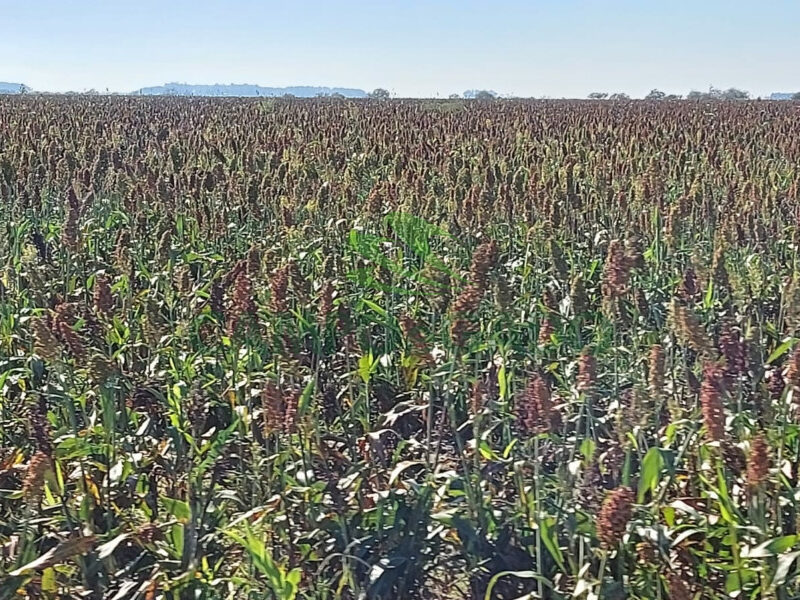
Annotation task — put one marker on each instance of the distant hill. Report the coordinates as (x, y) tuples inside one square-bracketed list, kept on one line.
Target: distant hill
[(238, 90), (13, 88)]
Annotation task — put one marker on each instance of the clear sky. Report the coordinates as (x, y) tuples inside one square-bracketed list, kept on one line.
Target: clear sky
[(411, 47)]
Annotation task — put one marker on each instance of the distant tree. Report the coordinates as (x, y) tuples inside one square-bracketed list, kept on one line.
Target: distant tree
[(598, 96), (734, 94), (672, 97), (454, 96), (796, 96), (379, 94), (619, 96), (484, 95), (695, 95), (655, 95)]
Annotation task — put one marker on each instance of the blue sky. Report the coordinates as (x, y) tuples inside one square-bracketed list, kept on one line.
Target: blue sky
[(411, 47)]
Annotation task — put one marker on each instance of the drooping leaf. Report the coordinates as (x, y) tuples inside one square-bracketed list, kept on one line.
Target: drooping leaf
[(105, 550)]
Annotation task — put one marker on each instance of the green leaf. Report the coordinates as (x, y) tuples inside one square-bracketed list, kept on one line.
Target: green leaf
[(652, 464), (708, 301), (510, 447), (212, 450), (736, 580), (502, 382), (284, 587), (305, 398), (177, 508), (375, 307), (779, 545), (772, 547), (365, 367), (725, 513), (780, 351), (290, 584), (588, 447), (550, 539), (295, 575), (176, 538), (49, 584), (179, 224), (486, 451)]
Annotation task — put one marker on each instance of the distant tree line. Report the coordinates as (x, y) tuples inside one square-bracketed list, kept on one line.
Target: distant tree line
[(730, 94), (712, 94), (716, 94), (488, 95), (655, 94)]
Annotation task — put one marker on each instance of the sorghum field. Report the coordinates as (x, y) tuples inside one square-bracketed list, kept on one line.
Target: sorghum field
[(408, 349)]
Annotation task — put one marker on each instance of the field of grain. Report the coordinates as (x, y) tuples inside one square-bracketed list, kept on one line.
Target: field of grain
[(387, 350)]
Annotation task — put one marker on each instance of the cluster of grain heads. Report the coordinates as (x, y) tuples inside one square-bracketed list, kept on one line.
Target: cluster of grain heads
[(615, 514), (578, 297), (657, 372), (536, 411), (414, 339), (42, 460), (438, 284), (733, 350), (46, 344), (792, 376), (279, 409), (757, 462), (326, 296), (690, 331), (468, 301), (587, 371), (712, 391), (38, 466), (70, 234), (102, 296), (484, 390), (616, 277), (547, 326), (216, 300), (64, 318), (477, 398), (242, 303), (279, 287)]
